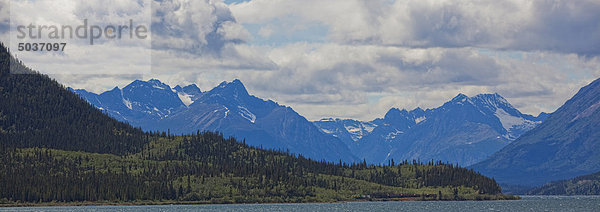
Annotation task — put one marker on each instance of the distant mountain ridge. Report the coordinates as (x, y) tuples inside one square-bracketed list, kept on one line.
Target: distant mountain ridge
[(464, 130), (565, 145), (227, 108)]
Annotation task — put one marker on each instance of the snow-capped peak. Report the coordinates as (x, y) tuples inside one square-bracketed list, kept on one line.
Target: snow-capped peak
[(158, 84), (493, 101), (460, 98)]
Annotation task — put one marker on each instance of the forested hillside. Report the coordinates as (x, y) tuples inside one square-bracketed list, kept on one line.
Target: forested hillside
[(54, 146), (36, 111), (582, 185), (206, 168)]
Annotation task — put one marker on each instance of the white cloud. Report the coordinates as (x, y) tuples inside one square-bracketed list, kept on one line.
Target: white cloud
[(364, 81), (202, 27), (106, 56), (187, 36), (422, 53), (233, 31), (200, 36), (560, 26), (347, 19)]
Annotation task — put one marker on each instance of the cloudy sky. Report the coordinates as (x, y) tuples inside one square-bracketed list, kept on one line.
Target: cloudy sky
[(329, 58)]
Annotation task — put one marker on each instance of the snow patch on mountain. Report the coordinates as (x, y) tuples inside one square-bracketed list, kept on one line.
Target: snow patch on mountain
[(508, 121), (390, 136), (245, 113), (369, 127), (353, 129), (185, 98), (127, 103), (348, 130), (328, 132), (359, 130), (420, 119), (356, 133), (158, 87)]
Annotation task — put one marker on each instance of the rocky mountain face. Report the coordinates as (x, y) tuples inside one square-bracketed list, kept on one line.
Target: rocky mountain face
[(141, 103), (566, 145), (227, 108)]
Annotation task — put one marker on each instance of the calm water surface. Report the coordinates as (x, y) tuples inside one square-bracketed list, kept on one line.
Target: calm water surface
[(529, 203)]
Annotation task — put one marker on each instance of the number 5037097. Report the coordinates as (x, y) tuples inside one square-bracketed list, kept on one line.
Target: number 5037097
[(42, 46)]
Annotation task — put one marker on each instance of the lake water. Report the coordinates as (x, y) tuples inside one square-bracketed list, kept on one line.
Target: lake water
[(528, 203)]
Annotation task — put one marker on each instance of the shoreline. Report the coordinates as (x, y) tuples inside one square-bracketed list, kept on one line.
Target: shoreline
[(160, 203)]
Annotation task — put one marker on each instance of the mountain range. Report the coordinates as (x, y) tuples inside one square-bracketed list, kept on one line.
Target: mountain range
[(227, 108), (464, 130)]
